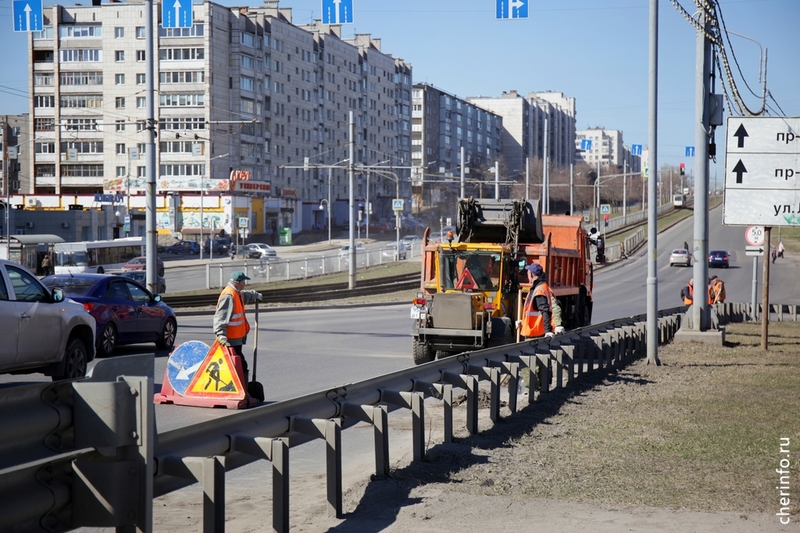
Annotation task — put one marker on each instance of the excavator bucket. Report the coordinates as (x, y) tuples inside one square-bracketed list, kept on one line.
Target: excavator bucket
[(500, 221)]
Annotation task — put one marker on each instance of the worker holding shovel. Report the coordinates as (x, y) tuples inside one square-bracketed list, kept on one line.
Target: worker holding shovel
[(230, 322)]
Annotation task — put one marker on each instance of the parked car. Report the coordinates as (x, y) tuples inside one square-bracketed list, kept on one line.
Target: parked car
[(140, 263), (125, 312), (244, 250), (391, 251), (718, 258), (680, 256), (264, 251), (141, 277), (183, 247), (42, 330), (220, 245), (344, 251)]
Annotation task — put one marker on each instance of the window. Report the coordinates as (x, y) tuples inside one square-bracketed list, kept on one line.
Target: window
[(141, 79), (46, 33), (141, 102), (191, 76), (140, 33), (188, 123), (119, 33), (140, 55), (246, 83), (82, 78), (120, 102), (119, 79), (43, 78), (44, 101), (43, 124), (120, 148), (80, 124), (120, 125), (248, 62), (180, 100), (182, 170), (141, 172), (119, 56), (180, 54), (82, 147), (121, 172), (44, 148), (84, 171), (197, 30), (81, 100), (80, 30), (140, 125), (74, 55)]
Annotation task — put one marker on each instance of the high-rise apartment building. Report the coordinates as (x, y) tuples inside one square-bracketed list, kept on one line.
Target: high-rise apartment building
[(242, 91), (606, 147), (524, 120)]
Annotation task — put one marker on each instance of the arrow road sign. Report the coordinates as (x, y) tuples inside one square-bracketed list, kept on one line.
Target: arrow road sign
[(176, 14), (511, 9), (762, 171), (337, 11), (754, 250), (636, 149), (586, 144), (27, 15), (690, 151)]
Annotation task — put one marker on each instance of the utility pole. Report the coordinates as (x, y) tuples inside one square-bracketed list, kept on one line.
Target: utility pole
[(151, 242), (652, 208)]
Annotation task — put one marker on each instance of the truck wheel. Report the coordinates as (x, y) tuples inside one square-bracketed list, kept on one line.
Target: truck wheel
[(582, 314), (421, 351)]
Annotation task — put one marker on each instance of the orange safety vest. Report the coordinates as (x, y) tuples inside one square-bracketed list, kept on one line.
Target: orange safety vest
[(238, 327), (688, 299), (532, 318)]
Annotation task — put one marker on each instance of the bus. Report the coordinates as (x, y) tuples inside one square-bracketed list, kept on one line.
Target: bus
[(96, 256), (678, 200)]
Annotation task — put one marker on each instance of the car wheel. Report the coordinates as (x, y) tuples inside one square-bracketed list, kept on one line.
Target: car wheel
[(107, 340), (75, 361), (167, 338), (192, 252)]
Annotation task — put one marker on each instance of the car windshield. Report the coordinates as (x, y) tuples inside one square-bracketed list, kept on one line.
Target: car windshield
[(138, 261), (71, 258), (70, 285)]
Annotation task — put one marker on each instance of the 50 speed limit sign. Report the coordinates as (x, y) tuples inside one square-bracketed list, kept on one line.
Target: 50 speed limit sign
[(754, 235)]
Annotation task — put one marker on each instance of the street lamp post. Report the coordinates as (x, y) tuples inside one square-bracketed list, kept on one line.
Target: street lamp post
[(202, 201)]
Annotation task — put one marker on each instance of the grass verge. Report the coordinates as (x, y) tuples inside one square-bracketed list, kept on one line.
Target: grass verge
[(703, 431)]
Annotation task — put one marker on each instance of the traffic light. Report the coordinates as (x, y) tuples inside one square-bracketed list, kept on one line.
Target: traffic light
[(683, 169)]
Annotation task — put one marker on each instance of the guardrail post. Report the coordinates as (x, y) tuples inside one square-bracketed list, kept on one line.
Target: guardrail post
[(570, 353), (220, 275), (378, 416), (331, 431), (472, 404), (208, 275), (414, 401), (494, 400), (557, 356), (210, 471), (276, 451)]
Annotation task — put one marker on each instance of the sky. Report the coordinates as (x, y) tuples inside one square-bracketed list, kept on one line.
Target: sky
[(593, 50)]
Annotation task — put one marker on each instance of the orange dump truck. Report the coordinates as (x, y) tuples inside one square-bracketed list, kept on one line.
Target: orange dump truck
[(473, 283)]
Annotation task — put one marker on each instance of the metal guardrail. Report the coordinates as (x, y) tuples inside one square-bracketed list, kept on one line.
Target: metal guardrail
[(85, 453)]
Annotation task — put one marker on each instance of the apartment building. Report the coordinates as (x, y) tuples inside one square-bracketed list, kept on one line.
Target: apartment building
[(606, 147), (442, 124), (243, 93), (524, 121)]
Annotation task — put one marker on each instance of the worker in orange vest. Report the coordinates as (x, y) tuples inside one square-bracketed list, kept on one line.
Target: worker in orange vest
[(716, 290), (230, 323), (687, 293), (537, 314)]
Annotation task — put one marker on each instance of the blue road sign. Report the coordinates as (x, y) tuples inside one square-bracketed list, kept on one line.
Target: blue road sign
[(636, 149), (337, 11), (586, 144), (176, 14), (27, 15), (512, 9), (183, 363), (690, 151)]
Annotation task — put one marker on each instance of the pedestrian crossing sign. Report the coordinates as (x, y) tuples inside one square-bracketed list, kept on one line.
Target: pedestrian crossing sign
[(397, 204), (216, 377)]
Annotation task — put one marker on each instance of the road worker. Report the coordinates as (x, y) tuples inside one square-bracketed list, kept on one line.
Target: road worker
[(687, 293), (716, 290), (230, 322), (537, 315)]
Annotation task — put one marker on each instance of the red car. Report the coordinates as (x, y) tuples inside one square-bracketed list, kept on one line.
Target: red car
[(140, 263)]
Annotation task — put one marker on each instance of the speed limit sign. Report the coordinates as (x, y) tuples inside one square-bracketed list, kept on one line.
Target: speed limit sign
[(754, 235)]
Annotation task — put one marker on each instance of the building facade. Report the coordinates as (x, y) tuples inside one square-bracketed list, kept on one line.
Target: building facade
[(243, 94)]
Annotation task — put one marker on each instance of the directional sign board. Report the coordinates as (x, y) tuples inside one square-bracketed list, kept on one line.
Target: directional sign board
[(754, 250), (337, 11), (183, 364), (512, 9), (176, 14), (762, 171), (636, 149), (689, 151), (586, 144), (27, 15)]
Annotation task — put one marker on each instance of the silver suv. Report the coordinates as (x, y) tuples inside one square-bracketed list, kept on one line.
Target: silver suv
[(42, 331)]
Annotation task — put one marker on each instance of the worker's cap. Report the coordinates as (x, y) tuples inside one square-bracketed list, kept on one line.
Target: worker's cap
[(535, 269), (238, 275)]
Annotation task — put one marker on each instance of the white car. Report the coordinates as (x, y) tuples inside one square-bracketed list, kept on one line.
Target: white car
[(390, 251), (344, 251), (267, 252), (42, 330)]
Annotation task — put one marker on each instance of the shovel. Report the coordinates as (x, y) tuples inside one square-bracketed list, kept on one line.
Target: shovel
[(254, 388)]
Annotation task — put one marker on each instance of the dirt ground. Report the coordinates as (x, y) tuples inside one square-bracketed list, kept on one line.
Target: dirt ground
[(550, 467)]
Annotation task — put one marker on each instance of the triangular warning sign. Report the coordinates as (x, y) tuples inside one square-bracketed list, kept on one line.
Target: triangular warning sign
[(466, 281), (216, 377)]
